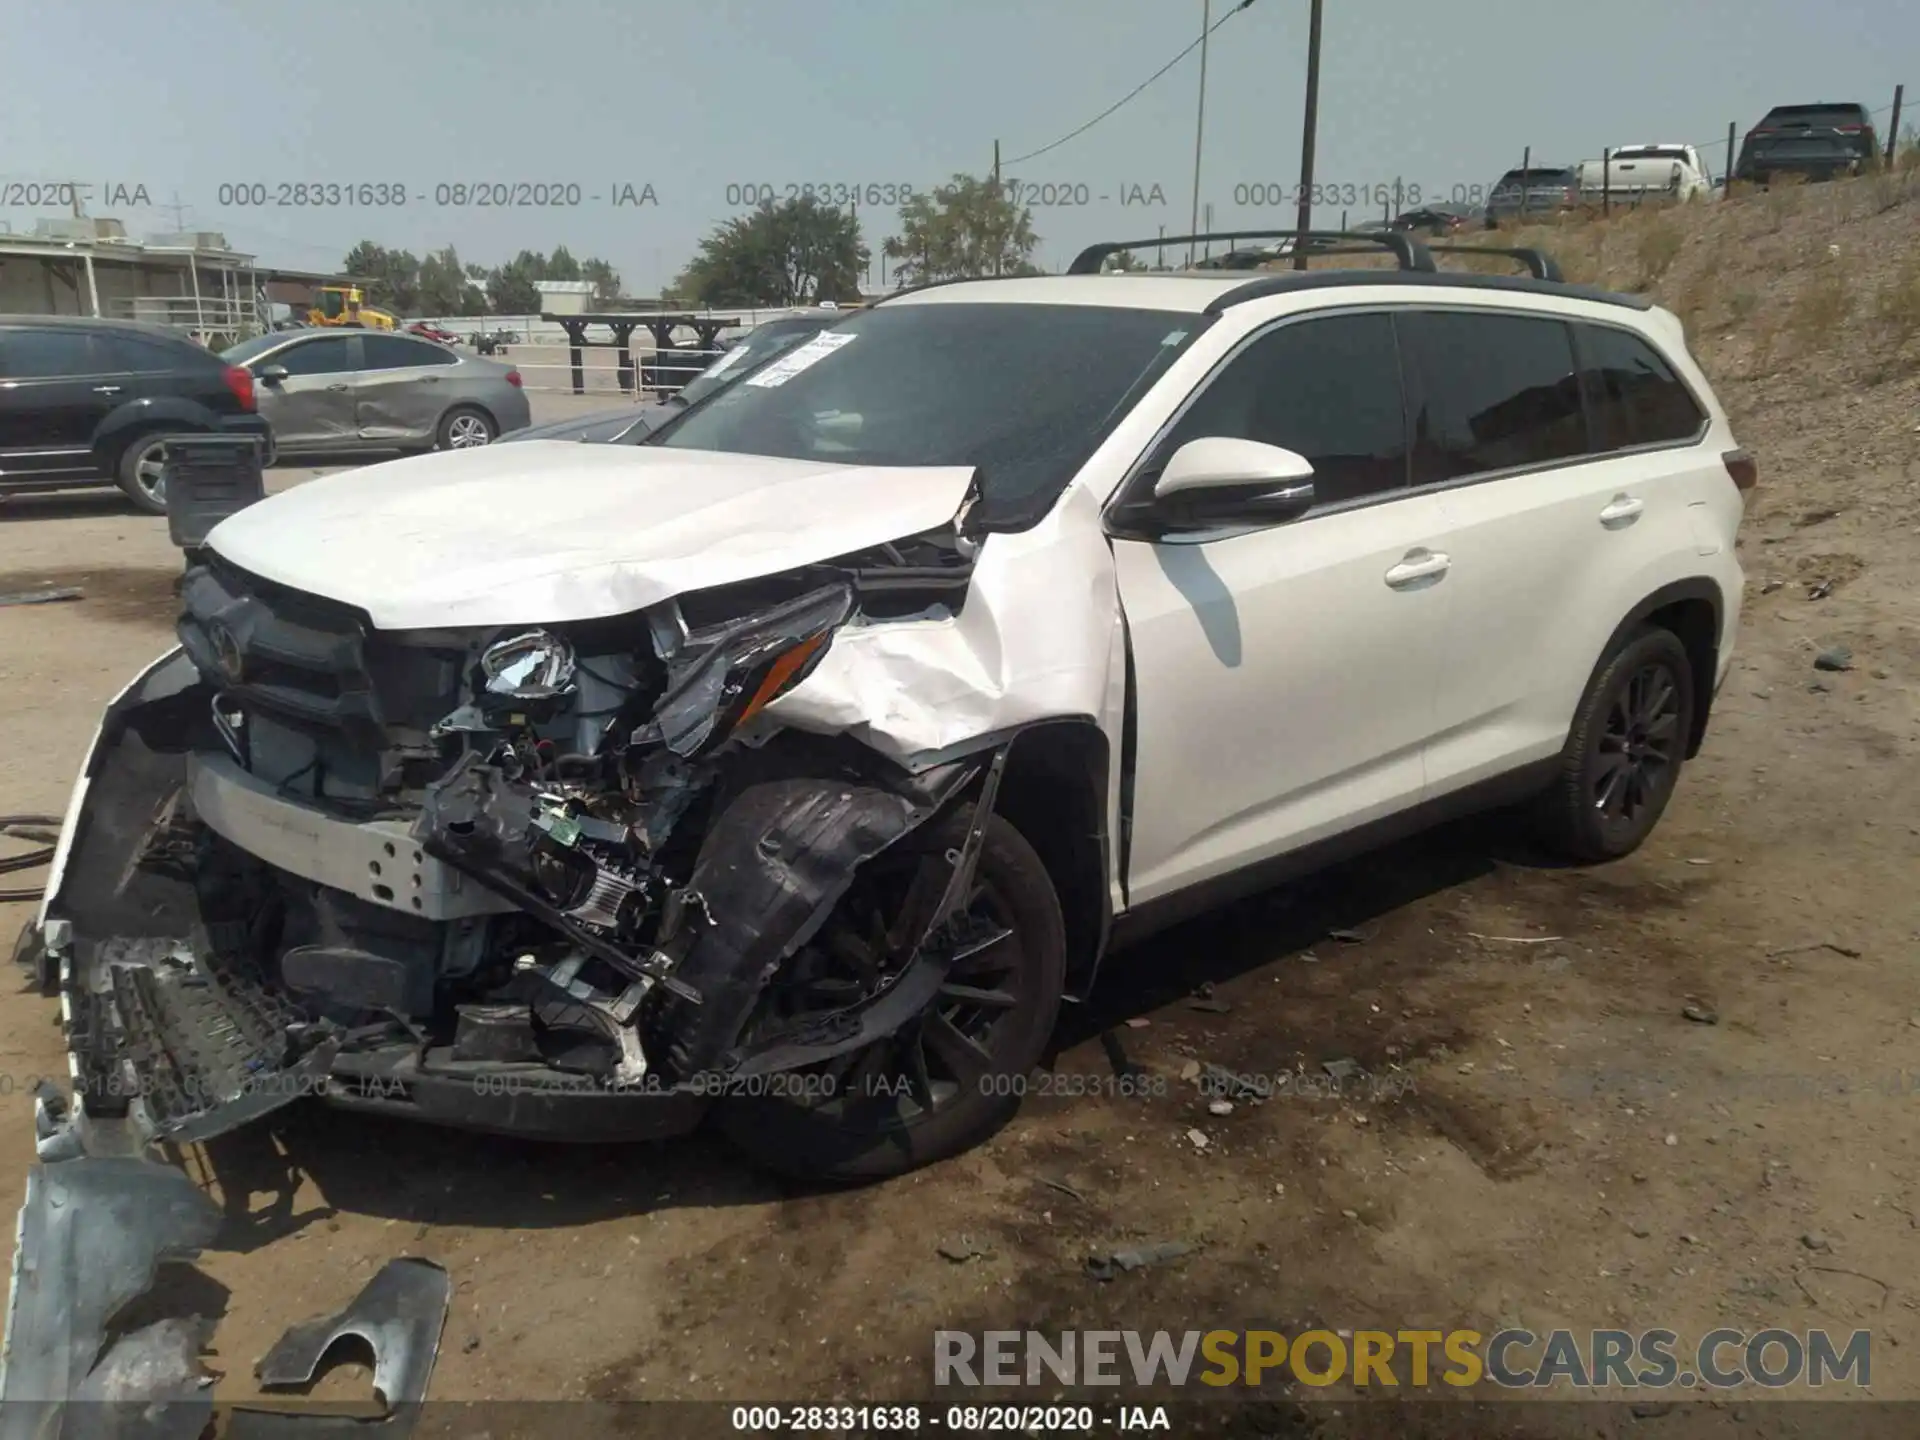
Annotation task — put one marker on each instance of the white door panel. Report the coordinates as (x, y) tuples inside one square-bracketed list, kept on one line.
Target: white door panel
[(1284, 685), (1543, 567)]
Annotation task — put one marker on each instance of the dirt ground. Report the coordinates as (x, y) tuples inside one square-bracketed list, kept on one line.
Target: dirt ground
[(1675, 1091)]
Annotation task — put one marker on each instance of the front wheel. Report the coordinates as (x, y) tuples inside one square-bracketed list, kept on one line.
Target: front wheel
[(465, 429), (1624, 753), (950, 1077)]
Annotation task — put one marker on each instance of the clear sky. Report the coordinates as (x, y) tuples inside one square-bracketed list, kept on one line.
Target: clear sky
[(696, 96)]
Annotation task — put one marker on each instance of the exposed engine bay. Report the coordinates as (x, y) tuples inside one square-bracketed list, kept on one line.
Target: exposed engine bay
[(474, 875)]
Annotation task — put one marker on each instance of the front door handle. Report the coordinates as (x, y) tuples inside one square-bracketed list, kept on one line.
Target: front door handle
[(337, 387), (106, 389), (1621, 509), (1419, 565)]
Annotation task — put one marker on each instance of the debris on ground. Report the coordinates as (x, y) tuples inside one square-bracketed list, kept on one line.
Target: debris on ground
[(1342, 1069), (961, 1248), (1138, 1022), (398, 1316), (1835, 657), (1190, 1071), (1700, 1014), (1835, 946), (1220, 1107), (1817, 1242), (92, 1234), (41, 597), (1062, 1187), (1348, 937), (1820, 589), (1114, 1262), (1198, 1139)]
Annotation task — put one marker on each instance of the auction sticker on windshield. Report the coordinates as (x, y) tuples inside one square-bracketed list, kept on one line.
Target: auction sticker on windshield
[(808, 355)]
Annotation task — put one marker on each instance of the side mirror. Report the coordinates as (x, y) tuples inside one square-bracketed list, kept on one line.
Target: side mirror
[(1217, 480), (272, 374)]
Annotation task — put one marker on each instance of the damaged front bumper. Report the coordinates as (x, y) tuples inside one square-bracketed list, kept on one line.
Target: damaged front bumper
[(184, 1021)]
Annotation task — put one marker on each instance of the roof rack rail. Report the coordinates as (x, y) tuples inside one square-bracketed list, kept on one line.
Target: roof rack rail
[(1411, 253), (1540, 265)]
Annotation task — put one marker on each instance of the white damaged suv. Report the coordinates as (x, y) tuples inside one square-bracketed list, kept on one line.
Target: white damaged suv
[(794, 765)]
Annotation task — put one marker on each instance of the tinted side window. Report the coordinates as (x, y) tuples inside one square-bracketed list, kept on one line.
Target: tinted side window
[(1489, 392), (396, 352), (134, 354), (329, 356), (51, 354), (1327, 389), (1632, 394)]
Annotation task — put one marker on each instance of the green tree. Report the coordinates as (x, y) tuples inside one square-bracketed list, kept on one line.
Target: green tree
[(392, 276), (510, 287), (447, 287), (799, 252), (968, 227), (606, 280)]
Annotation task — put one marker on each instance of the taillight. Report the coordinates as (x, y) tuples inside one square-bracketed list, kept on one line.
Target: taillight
[(1743, 468), (513, 378), (240, 382)]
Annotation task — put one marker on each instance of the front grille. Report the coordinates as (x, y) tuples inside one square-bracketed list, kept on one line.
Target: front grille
[(330, 704)]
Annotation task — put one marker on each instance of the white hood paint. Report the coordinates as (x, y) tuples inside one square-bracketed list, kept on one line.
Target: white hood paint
[(1040, 637), (550, 530)]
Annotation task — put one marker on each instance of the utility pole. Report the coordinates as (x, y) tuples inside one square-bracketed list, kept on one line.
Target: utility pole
[(999, 196), (179, 214), (1304, 222), (1893, 130), (1200, 121)]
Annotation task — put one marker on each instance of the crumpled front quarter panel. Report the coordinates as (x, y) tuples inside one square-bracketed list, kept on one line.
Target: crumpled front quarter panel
[(1039, 638)]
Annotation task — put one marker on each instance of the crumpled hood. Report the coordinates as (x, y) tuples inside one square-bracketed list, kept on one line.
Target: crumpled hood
[(551, 530)]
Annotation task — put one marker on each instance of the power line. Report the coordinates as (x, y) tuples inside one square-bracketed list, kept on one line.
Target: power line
[(1071, 134)]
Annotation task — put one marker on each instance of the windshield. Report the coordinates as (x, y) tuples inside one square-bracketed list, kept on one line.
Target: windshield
[(247, 349), (1023, 392), (749, 353)]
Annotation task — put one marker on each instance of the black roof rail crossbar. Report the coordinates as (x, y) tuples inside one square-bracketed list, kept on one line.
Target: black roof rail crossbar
[(1411, 253), (1540, 265)]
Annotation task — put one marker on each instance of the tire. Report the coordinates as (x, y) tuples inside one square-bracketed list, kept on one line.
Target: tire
[(1624, 754), (870, 1126), (465, 427), (138, 472)]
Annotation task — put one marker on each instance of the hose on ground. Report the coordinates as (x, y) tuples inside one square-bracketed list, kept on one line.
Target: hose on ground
[(41, 830)]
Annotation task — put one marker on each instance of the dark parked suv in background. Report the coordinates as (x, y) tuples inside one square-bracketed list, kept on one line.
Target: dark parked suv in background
[(87, 402), (1815, 141)]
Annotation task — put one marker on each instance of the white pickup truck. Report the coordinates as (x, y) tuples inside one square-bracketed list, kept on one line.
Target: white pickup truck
[(1636, 173)]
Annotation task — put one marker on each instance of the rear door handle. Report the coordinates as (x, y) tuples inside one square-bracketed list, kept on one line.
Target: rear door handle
[(1621, 509), (339, 387), (1419, 565), (106, 389)]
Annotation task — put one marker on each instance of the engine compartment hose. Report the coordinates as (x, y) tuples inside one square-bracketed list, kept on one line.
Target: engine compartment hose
[(41, 830)]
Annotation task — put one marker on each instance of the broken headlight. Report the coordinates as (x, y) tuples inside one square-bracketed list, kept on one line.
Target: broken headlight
[(720, 678), (535, 665)]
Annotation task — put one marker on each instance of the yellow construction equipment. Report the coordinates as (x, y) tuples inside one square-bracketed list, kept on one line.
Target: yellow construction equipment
[(345, 305)]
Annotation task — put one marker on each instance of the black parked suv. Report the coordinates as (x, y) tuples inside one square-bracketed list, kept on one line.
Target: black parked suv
[(86, 402), (1816, 141)]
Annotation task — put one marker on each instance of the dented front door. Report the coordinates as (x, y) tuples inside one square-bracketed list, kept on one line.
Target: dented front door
[(311, 406)]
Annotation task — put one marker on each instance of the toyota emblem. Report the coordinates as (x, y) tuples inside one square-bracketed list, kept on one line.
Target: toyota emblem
[(226, 652)]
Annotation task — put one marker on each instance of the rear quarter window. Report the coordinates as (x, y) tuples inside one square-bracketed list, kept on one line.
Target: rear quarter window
[(1632, 393), (140, 355)]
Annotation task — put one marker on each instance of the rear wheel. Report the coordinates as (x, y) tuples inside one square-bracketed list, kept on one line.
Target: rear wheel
[(1624, 753), (950, 1077), (466, 428), (141, 474)]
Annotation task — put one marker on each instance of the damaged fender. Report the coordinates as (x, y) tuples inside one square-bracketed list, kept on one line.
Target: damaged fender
[(1039, 638), (775, 860)]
